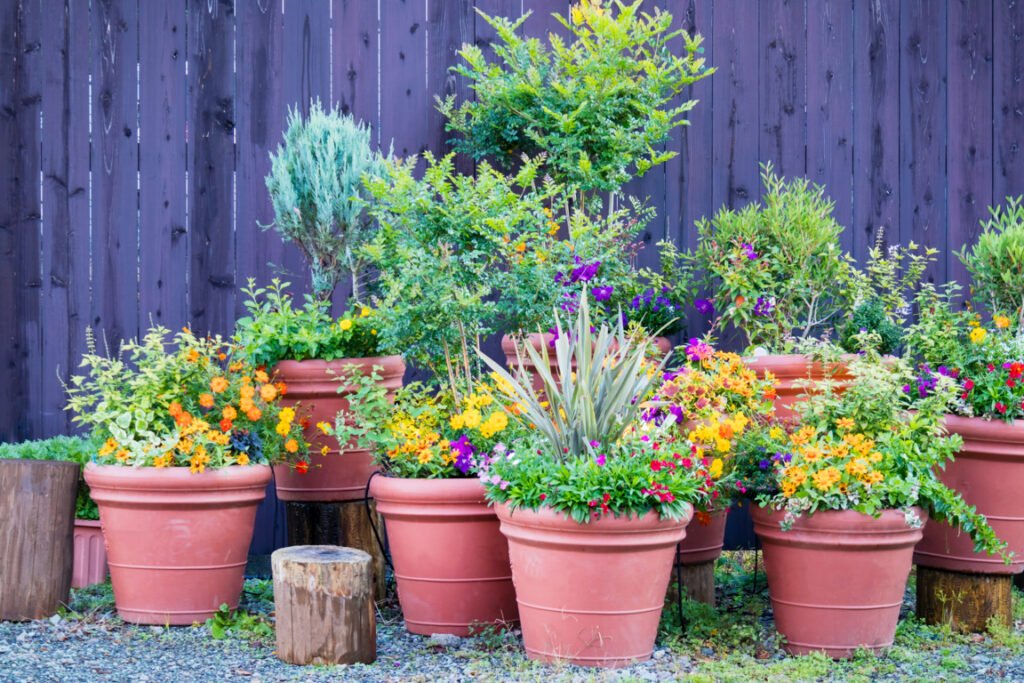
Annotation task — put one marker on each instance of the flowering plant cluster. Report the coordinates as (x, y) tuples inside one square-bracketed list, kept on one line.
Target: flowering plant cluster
[(710, 401), (198, 404), (276, 329), (863, 450)]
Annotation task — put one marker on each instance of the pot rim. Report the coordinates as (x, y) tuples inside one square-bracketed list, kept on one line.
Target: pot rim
[(849, 523), (985, 429), (426, 490), (547, 518), (173, 479), (390, 360)]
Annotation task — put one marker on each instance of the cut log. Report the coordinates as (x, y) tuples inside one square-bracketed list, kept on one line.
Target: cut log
[(698, 582), (965, 602), (341, 524), (323, 601), (37, 521)]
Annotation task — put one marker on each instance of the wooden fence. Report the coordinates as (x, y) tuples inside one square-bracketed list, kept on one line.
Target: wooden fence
[(136, 136)]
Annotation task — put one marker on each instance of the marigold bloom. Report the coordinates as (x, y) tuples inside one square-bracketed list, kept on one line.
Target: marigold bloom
[(845, 423), (254, 414), (229, 413), (268, 392), (291, 445), (323, 427), (174, 409), (345, 324), (192, 356), (261, 376), (225, 425), (248, 391), (1001, 321), (978, 335), (206, 400), (282, 388), (242, 459), (283, 428), (219, 385), (286, 415)]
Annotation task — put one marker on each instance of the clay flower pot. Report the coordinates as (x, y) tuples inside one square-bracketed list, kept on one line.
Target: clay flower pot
[(451, 561), (790, 371), (90, 554), (590, 594), (508, 347), (705, 537), (837, 578), (987, 472), (177, 542), (313, 392)]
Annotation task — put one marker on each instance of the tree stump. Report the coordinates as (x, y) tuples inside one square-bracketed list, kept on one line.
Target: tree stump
[(37, 522), (966, 602), (341, 524), (698, 582), (323, 601)]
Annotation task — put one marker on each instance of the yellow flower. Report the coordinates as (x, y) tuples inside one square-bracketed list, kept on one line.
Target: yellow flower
[(845, 423), (776, 433), (206, 400), (978, 335), (323, 427), (325, 450), (826, 478), (812, 453), (283, 428), (796, 474), (716, 468), (1001, 321), (857, 467), (261, 376), (163, 460), (788, 488), (364, 312), (457, 421), (496, 422), (268, 392), (243, 459), (108, 447), (424, 455), (286, 415), (345, 324), (471, 418), (229, 413)]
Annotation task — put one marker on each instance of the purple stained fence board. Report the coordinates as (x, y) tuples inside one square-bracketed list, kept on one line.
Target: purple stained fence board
[(163, 109), (782, 87), (65, 230), (115, 162), (969, 78), (923, 128), (1008, 99), (450, 25), (10, 368), (542, 21), (404, 98), (830, 105), (211, 164), (876, 129)]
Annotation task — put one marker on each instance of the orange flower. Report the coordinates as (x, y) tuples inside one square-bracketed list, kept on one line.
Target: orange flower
[(222, 356), (282, 388), (739, 300), (183, 420), (174, 409), (254, 414), (246, 405), (268, 392), (229, 413), (291, 445), (225, 425), (247, 391), (219, 384), (206, 400), (261, 377), (236, 366)]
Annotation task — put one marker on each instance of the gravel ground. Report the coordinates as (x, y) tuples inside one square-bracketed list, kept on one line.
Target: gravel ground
[(90, 644)]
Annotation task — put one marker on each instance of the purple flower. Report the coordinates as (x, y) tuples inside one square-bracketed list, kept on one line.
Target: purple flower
[(748, 251), (764, 306), (584, 272), (677, 413), (704, 306), (464, 452), (764, 464), (602, 293), (698, 350)]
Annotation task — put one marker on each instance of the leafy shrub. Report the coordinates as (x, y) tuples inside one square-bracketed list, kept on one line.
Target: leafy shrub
[(74, 449), (870, 317), (316, 188), (996, 261)]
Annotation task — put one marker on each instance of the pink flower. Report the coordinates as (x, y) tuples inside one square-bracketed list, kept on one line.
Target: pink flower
[(698, 350), (600, 460)]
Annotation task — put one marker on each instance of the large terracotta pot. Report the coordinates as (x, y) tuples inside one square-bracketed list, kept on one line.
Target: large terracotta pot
[(790, 371), (705, 537), (313, 392), (837, 578), (988, 472), (508, 347), (451, 561), (590, 594), (177, 542), (90, 554)]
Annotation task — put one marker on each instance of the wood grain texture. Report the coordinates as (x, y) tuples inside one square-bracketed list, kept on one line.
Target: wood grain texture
[(37, 518), (698, 582), (782, 85), (1008, 98), (324, 607), (10, 367), (964, 602), (404, 98)]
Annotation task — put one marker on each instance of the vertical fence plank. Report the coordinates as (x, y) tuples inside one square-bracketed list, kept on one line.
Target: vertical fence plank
[(211, 165), (10, 367), (65, 228), (782, 93), (876, 130), (1008, 107), (923, 128), (736, 180), (404, 98), (163, 250), (542, 20), (969, 75), (450, 25), (115, 163), (484, 34), (830, 104)]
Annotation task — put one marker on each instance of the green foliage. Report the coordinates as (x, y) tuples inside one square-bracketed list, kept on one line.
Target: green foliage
[(776, 269), (276, 329), (75, 449), (676, 279), (996, 261), (439, 248), (939, 329), (596, 107), (237, 623), (316, 188), (870, 317)]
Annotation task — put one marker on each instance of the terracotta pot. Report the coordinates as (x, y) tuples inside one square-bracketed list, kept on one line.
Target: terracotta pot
[(90, 554), (176, 542), (508, 347), (313, 392), (590, 594), (988, 472), (704, 539), (790, 371), (837, 578), (451, 561)]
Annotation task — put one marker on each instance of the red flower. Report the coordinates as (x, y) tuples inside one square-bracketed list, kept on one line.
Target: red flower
[(656, 465), (1011, 383), (225, 425), (543, 496), (302, 467), (1016, 370), (990, 367), (968, 384), (1000, 408)]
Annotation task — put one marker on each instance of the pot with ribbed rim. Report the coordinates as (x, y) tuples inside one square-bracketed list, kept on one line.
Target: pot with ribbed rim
[(986, 472), (450, 559), (705, 538), (536, 340), (791, 371), (177, 542), (590, 594), (313, 391), (837, 578)]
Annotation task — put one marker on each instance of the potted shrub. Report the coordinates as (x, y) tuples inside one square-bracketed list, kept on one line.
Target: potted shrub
[(90, 556), (437, 269), (854, 482), (592, 500), (186, 432), (712, 398), (320, 204)]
